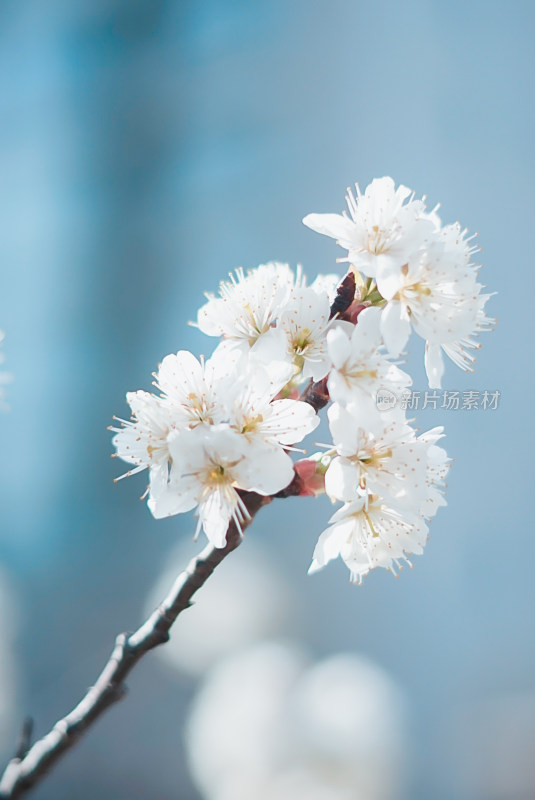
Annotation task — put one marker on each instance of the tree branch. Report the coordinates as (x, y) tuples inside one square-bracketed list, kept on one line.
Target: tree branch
[(28, 768), (316, 394), (30, 764)]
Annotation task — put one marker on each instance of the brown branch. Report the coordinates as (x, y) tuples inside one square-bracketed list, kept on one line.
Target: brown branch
[(316, 394), (30, 764), (27, 769), (345, 294)]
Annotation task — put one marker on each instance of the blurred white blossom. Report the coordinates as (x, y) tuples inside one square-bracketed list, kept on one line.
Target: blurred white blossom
[(270, 724)]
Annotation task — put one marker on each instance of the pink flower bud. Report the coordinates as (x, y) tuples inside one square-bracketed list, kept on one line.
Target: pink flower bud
[(311, 476)]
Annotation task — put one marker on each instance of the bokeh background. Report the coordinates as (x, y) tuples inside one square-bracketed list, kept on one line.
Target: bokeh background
[(146, 149)]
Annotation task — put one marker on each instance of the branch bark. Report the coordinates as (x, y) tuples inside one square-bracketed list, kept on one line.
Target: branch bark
[(30, 764), (28, 768)]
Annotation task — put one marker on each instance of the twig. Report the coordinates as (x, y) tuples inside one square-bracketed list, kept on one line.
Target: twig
[(345, 294), (30, 764), (25, 739), (28, 768), (316, 394)]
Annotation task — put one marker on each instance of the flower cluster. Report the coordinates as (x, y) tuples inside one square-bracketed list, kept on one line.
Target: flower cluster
[(419, 271), (389, 479), (216, 427), (227, 425)]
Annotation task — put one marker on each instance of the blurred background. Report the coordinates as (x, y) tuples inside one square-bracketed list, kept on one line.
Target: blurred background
[(146, 149)]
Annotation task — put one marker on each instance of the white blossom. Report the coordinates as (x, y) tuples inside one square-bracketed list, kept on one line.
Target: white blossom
[(437, 294), (359, 368), (142, 441), (269, 316), (384, 227), (190, 396), (270, 724), (391, 481), (259, 416), (228, 424), (215, 429), (305, 323), (195, 391), (209, 464), (377, 454), (367, 533), (437, 466), (421, 268), (326, 285), (248, 307)]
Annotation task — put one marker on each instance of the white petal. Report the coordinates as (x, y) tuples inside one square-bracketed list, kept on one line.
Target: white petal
[(395, 327), (434, 365), (270, 346), (344, 431), (180, 375), (330, 543), (336, 225), (341, 479), (367, 333), (215, 513), (290, 421), (318, 367), (389, 276), (266, 469), (339, 346), (326, 284), (208, 317), (171, 501)]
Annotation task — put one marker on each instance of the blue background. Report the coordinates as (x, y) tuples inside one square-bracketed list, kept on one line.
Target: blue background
[(146, 149)]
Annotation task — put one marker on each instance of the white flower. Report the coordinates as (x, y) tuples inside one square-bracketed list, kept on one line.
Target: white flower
[(248, 308), (305, 323), (239, 438), (359, 369), (258, 416), (391, 480), (142, 441), (270, 317), (458, 351), (376, 454), (209, 465), (195, 391), (367, 533), (437, 293), (382, 230), (422, 270)]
